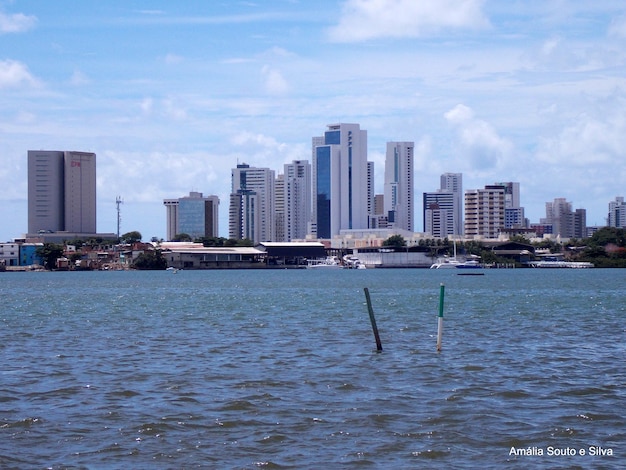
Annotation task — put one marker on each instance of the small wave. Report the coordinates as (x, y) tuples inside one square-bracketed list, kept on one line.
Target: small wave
[(124, 393), (513, 394), (238, 405), (22, 423), (431, 454)]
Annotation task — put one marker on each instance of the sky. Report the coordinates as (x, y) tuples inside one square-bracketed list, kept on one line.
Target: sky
[(172, 95)]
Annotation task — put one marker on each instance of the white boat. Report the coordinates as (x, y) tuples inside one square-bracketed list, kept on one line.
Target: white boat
[(470, 264), (446, 263), (352, 262), (561, 264), (330, 262)]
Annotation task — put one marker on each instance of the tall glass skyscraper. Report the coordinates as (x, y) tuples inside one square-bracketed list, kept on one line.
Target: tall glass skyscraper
[(340, 191)]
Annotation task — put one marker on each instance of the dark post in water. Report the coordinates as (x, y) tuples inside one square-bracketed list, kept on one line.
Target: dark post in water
[(379, 345), (440, 319)]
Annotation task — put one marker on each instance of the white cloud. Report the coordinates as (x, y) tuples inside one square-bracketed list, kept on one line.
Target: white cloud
[(588, 140), (16, 23), (79, 78), (172, 59), (274, 82), (369, 19), (146, 105), (478, 140), (618, 27), (14, 74)]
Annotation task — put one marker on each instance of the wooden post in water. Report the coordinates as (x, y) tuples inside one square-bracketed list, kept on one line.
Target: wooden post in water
[(442, 289), (379, 345)]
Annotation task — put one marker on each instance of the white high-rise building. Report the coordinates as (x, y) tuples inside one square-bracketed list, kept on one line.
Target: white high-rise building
[(341, 198), (399, 185), (453, 182), (260, 181), (243, 216), (439, 211), (560, 215), (370, 189), (484, 212), (297, 200), (280, 209), (514, 213), (617, 213), (61, 191)]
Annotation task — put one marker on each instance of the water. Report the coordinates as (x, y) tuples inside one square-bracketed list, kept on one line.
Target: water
[(279, 369)]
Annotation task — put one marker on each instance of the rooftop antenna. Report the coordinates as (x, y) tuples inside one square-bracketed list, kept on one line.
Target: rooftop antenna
[(118, 201)]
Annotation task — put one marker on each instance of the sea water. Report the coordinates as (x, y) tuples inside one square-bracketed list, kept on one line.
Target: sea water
[(279, 369)]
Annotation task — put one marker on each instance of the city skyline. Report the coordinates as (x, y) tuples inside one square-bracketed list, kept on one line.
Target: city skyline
[(172, 96)]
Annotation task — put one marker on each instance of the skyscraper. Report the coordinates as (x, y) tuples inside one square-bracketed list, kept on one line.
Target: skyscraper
[(61, 191), (439, 211), (248, 181), (297, 199), (617, 213), (341, 198), (243, 216), (453, 182), (560, 215), (280, 209), (514, 213), (399, 185), (194, 215)]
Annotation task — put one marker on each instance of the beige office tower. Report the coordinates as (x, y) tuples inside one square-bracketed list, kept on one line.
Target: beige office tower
[(61, 191)]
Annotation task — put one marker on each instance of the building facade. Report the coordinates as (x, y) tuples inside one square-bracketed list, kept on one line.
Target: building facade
[(399, 185), (514, 212), (248, 181), (484, 211), (341, 196), (280, 209), (297, 199), (560, 215), (244, 216), (439, 212), (617, 213), (61, 191), (194, 215), (453, 182)]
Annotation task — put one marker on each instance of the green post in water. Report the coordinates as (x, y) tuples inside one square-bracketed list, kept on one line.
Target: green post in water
[(442, 290), (379, 345)]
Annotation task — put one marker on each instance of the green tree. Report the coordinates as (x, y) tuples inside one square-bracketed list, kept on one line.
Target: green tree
[(213, 241), (49, 253), (181, 237), (238, 242), (608, 236), (131, 237), (150, 260), (396, 241)]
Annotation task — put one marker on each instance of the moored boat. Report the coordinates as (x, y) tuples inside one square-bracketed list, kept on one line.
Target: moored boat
[(330, 262)]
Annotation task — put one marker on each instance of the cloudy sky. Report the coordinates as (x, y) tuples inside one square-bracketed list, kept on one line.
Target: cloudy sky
[(171, 95)]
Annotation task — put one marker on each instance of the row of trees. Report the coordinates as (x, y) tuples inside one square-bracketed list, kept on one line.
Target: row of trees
[(213, 241), (606, 248)]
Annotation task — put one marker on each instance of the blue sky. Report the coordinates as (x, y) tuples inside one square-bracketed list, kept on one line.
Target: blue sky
[(171, 95)]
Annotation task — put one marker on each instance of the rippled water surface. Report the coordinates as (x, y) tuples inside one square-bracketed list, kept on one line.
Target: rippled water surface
[(279, 369)]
